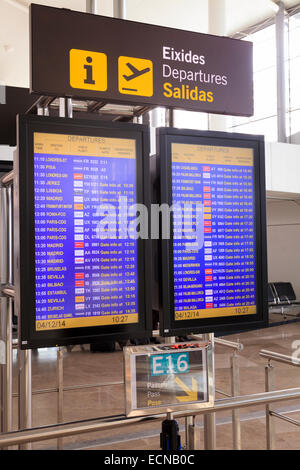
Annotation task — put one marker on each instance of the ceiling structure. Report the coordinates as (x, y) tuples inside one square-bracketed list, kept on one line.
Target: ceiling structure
[(184, 14), (245, 13)]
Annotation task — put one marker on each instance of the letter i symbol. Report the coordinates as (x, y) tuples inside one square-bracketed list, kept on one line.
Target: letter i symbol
[(89, 72)]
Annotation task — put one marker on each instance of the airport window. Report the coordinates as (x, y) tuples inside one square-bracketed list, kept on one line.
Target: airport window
[(266, 127), (265, 108), (190, 120), (295, 121), (264, 120), (294, 70)]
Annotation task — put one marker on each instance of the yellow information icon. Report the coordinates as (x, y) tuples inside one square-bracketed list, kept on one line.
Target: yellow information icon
[(135, 76), (88, 70)]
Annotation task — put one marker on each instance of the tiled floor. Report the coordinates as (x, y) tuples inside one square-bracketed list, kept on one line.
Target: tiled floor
[(83, 367)]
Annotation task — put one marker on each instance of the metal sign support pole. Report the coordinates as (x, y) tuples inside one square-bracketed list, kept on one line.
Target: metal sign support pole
[(92, 6), (217, 26), (65, 107), (169, 117), (120, 9), (280, 65)]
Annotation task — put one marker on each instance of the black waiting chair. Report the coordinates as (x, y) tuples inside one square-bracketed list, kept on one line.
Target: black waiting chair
[(271, 295), (282, 299), (285, 293)]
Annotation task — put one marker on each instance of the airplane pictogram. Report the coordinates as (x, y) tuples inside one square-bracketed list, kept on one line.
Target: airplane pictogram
[(135, 72), (135, 76)]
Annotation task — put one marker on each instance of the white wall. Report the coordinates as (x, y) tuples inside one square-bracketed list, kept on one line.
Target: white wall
[(191, 15), (283, 237), (283, 216), (14, 45), (7, 153), (283, 168)]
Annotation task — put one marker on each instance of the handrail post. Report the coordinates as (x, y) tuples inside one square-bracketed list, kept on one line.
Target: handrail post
[(60, 392), (210, 431), (235, 391), (209, 419), (270, 386), (188, 422), (25, 393), (192, 434)]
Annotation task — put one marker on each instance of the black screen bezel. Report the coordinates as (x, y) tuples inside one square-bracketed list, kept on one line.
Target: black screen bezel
[(168, 325), (30, 338)]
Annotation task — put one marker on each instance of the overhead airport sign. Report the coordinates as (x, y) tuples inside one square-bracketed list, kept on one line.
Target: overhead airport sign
[(168, 377), (94, 57)]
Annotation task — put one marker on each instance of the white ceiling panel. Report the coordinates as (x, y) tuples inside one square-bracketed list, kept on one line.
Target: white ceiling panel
[(243, 13)]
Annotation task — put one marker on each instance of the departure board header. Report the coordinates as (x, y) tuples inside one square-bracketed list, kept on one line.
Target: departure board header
[(82, 146), (190, 153), (86, 277), (214, 254)]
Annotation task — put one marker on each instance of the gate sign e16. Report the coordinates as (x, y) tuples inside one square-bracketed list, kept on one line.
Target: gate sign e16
[(174, 363), (166, 378), (95, 57)]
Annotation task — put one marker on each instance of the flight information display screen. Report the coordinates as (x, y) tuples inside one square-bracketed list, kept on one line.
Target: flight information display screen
[(85, 269), (214, 253)]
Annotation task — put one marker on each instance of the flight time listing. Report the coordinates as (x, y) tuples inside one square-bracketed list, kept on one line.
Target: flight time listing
[(217, 277), (85, 271)]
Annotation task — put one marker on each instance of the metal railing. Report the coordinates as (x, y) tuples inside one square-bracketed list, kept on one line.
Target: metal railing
[(8, 178), (82, 427), (6, 301), (7, 294), (269, 386), (209, 420)]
